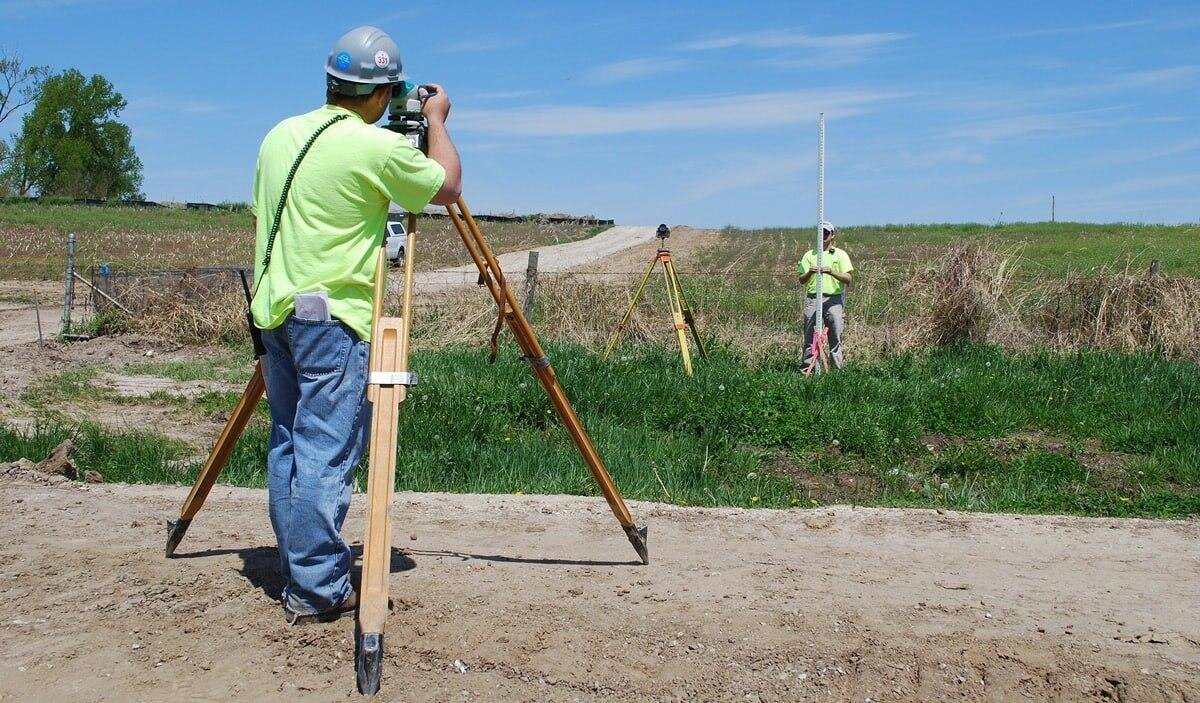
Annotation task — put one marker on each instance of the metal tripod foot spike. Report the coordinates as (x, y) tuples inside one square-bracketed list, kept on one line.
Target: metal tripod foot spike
[(369, 664), (176, 529), (637, 537)]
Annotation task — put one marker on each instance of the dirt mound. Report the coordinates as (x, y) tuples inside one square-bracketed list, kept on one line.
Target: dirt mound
[(540, 598)]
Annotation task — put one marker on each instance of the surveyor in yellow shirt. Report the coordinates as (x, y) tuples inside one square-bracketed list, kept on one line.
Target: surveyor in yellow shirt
[(322, 186), (836, 267)]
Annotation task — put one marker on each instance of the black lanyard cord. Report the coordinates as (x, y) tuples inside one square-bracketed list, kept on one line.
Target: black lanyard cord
[(287, 186)]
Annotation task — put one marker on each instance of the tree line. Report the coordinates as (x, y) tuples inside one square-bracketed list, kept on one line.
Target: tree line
[(70, 143)]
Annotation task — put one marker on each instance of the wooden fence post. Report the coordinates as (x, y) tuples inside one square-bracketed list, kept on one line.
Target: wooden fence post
[(531, 272)]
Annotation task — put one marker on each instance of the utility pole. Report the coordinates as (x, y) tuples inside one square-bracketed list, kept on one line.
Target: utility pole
[(1052, 208)]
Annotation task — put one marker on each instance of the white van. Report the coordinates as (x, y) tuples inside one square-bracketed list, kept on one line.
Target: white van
[(397, 240)]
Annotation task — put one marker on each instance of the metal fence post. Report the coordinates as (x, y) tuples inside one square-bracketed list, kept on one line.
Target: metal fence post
[(69, 286)]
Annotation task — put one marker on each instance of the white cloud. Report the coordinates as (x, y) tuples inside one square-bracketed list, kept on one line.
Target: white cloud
[(743, 111), (787, 39), (1076, 122), (635, 68), (1081, 29), (992, 98), (1170, 77), (409, 14), (802, 50)]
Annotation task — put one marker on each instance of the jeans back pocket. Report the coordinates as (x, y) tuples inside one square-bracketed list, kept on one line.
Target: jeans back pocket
[(319, 347)]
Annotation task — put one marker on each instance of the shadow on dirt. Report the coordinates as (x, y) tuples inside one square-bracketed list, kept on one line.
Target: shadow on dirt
[(519, 560), (260, 565)]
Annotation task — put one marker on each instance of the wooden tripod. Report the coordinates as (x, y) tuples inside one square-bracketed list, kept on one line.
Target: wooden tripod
[(388, 383), (681, 313)]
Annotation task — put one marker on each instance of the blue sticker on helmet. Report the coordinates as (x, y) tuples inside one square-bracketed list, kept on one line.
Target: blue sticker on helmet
[(342, 61)]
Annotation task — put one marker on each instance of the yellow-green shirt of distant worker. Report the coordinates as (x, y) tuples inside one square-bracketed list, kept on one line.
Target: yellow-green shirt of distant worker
[(336, 212), (836, 260)]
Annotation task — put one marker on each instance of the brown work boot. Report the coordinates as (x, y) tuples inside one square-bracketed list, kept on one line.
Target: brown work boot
[(346, 607)]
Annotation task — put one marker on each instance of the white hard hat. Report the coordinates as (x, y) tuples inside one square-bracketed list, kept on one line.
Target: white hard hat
[(827, 227)]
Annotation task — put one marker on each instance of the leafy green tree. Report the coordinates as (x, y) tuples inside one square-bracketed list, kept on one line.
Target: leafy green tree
[(72, 145), (19, 84)]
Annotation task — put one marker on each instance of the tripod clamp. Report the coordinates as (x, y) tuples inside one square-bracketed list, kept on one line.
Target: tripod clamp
[(537, 362), (392, 378)]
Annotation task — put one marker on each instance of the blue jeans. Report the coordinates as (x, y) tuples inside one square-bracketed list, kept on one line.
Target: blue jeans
[(316, 375)]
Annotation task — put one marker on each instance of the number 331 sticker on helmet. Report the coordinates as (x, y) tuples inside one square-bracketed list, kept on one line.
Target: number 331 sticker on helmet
[(382, 59)]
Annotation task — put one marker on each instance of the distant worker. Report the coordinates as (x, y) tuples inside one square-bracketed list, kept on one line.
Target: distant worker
[(837, 267), (314, 297)]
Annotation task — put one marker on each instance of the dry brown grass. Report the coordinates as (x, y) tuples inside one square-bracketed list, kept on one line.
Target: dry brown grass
[(965, 295), (214, 317), (962, 296), (1122, 311)]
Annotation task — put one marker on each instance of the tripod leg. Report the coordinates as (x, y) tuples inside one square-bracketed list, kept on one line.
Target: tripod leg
[(677, 316), (489, 269), (388, 349), (612, 343), (388, 386), (234, 426), (687, 313)]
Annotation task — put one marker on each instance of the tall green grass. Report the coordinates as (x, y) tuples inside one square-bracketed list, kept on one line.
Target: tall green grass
[(1121, 432), (128, 456)]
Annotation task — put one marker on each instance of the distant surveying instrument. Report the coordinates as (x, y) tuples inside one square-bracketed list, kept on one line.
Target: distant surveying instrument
[(681, 313), (387, 386)]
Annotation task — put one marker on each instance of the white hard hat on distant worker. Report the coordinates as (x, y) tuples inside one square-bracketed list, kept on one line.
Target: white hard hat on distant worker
[(827, 228), (363, 59)]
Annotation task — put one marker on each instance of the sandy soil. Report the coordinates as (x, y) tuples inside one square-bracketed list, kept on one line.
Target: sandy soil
[(19, 314), (540, 600)]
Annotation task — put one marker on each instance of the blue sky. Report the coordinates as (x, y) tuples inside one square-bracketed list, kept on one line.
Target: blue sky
[(699, 113)]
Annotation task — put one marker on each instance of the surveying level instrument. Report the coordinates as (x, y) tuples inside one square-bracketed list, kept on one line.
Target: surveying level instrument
[(404, 112), (681, 313), (387, 386)]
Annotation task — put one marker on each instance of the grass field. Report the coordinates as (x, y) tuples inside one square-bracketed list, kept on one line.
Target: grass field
[(967, 427), (35, 234), (1045, 250)]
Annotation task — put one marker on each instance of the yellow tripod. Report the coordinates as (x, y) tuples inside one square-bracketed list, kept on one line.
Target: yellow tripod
[(681, 313)]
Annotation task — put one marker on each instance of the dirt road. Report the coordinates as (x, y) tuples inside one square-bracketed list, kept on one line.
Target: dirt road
[(538, 598), (551, 259)]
